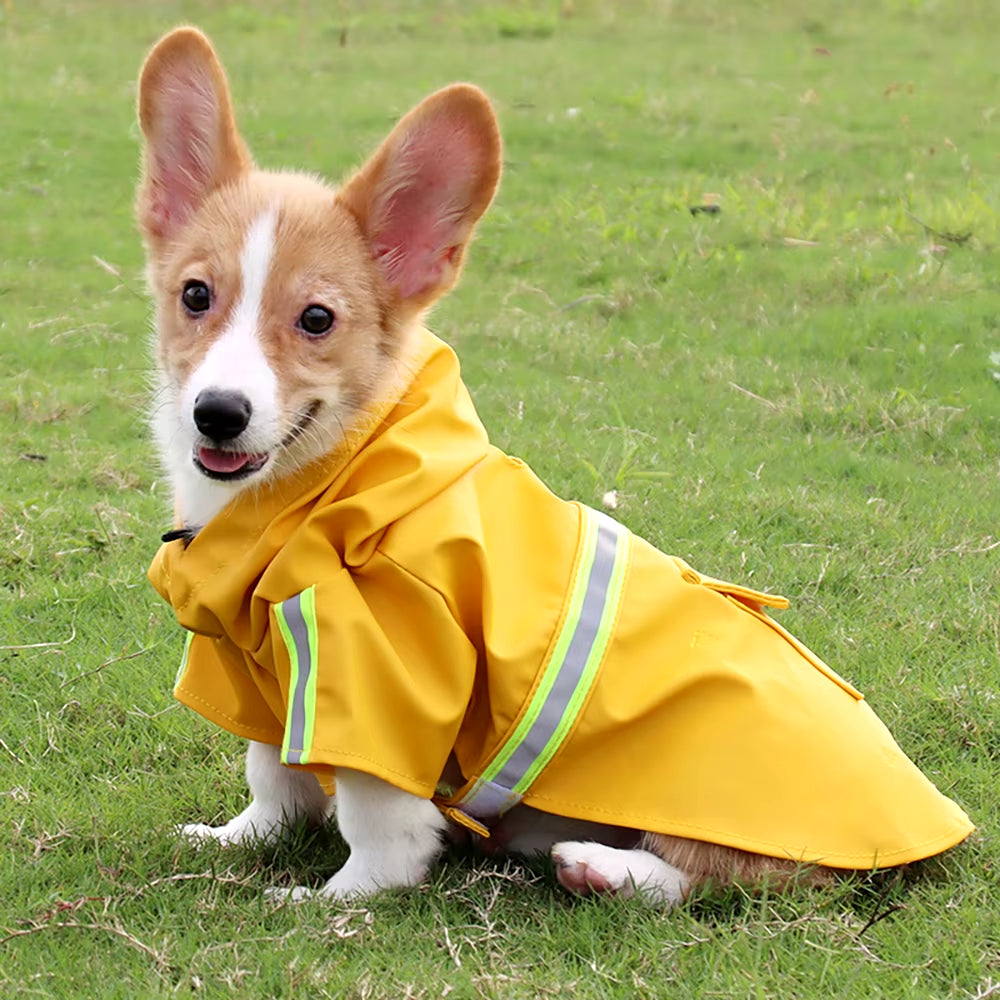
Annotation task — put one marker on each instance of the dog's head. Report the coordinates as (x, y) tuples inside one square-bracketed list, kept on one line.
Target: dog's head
[(282, 304)]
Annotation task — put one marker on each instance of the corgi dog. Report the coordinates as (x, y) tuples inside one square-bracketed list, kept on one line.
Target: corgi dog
[(410, 631)]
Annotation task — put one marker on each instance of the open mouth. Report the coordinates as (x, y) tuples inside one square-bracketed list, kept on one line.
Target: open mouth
[(226, 464), (217, 463)]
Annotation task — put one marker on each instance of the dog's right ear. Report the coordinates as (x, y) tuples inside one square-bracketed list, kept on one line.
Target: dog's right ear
[(192, 144)]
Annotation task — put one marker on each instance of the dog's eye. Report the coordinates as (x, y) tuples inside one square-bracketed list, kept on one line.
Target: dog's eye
[(316, 321), (196, 296)]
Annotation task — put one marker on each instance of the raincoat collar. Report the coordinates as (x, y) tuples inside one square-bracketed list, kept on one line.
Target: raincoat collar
[(412, 447)]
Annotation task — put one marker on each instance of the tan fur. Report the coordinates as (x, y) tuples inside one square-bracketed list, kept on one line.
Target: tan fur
[(722, 866)]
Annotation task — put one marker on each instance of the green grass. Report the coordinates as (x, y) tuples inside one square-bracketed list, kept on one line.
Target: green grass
[(797, 392)]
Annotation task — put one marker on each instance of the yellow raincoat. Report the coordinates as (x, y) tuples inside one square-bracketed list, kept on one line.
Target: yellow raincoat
[(418, 593)]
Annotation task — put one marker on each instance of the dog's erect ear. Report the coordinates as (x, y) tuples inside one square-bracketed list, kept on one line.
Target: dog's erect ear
[(421, 194), (192, 145)]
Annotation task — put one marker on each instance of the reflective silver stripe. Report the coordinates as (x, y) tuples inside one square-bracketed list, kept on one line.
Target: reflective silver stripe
[(298, 724), (488, 800), (583, 639)]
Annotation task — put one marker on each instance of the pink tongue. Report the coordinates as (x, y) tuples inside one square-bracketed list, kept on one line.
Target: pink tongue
[(224, 461)]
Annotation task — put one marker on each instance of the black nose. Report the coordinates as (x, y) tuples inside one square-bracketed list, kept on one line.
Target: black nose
[(221, 415)]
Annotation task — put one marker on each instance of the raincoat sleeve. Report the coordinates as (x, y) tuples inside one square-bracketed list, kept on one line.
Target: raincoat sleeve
[(218, 681), (376, 675)]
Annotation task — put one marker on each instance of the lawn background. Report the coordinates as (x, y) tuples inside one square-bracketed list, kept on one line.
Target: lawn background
[(799, 392)]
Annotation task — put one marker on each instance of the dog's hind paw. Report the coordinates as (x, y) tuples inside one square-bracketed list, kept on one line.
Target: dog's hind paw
[(586, 868)]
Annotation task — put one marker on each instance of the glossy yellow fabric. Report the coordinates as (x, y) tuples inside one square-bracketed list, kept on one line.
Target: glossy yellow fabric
[(441, 569)]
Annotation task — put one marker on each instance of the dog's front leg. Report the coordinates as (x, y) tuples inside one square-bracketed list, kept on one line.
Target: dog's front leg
[(281, 797), (394, 838)]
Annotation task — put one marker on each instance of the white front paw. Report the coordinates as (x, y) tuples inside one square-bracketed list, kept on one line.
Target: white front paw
[(335, 889), (259, 823), (294, 895), (354, 881), (202, 833)]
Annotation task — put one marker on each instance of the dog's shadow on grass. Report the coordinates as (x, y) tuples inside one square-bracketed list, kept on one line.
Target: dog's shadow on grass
[(307, 855), (310, 855), (865, 898)]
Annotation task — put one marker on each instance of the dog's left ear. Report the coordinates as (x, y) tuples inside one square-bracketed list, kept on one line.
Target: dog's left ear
[(421, 194)]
